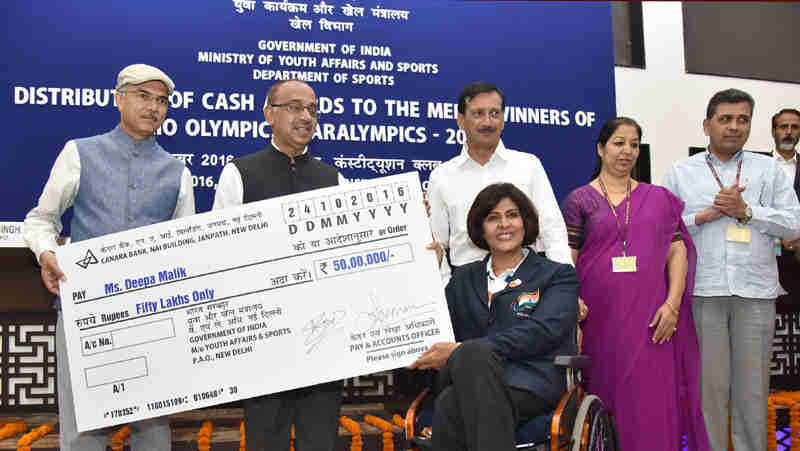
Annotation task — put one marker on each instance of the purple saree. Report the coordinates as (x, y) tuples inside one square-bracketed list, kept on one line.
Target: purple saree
[(652, 389)]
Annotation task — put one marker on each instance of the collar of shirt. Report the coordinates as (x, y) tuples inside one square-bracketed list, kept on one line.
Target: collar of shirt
[(717, 162), (127, 140), (272, 141), (499, 282), (782, 160), (499, 152)]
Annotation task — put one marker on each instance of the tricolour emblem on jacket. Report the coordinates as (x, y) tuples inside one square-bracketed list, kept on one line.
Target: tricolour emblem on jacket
[(526, 303)]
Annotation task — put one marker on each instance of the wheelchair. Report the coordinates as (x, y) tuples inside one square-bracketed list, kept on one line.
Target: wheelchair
[(580, 422)]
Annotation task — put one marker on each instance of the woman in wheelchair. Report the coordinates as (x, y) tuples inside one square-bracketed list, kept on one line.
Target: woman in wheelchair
[(512, 313)]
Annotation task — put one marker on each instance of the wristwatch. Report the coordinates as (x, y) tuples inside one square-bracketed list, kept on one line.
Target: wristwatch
[(748, 215)]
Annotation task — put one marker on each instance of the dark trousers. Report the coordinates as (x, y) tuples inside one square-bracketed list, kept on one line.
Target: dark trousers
[(314, 412), (475, 409)]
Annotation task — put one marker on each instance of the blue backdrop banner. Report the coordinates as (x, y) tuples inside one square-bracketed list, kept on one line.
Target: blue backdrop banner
[(387, 74)]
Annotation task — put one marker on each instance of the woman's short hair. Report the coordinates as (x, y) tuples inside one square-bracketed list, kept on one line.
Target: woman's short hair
[(485, 202)]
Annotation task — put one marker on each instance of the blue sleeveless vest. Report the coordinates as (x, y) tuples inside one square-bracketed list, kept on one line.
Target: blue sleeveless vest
[(124, 184)]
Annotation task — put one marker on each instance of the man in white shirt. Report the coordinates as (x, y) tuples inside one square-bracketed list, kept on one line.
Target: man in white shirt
[(116, 181), (484, 160), (737, 204), (786, 131)]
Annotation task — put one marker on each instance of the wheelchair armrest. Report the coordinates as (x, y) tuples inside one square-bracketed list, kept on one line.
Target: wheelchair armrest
[(413, 410), (572, 361)]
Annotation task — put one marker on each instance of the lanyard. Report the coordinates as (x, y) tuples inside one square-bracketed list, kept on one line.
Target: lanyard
[(716, 176), (622, 230)]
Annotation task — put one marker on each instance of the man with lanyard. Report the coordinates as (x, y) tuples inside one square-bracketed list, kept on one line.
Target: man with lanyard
[(285, 167), (786, 131), (737, 203), (116, 181), (484, 160)]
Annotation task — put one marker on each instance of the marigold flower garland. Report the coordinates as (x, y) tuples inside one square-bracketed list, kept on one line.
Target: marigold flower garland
[(386, 427), (354, 428), (242, 442), (772, 442), (399, 421), (204, 436), (792, 401), (24, 443), (12, 428), (118, 440)]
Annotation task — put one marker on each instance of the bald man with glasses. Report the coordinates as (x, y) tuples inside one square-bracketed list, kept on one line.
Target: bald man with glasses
[(285, 167)]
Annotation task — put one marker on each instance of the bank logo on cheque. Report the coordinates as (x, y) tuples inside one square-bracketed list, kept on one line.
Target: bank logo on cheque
[(89, 259)]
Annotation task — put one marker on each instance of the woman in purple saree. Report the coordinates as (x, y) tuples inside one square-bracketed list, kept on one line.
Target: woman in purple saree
[(636, 261)]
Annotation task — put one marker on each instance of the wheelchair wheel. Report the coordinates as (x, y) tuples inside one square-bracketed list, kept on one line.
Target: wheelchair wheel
[(602, 433), (594, 428)]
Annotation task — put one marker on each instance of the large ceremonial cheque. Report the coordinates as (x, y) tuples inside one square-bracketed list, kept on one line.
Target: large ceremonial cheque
[(256, 299)]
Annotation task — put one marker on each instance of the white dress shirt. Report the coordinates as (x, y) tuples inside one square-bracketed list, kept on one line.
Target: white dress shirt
[(455, 183), (499, 282), (729, 268), (43, 223), (789, 166), (230, 190)]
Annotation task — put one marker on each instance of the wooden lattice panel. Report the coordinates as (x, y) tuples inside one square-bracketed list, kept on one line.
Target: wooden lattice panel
[(370, 388), (28, 361), (785, 369)]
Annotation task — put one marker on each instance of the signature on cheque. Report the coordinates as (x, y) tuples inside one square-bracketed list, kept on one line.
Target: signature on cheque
[(381, 314), (321, 326)]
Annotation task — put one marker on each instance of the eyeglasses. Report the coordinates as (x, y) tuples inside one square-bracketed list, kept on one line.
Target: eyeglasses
[(146, 97), (480, 114), (297, 108)]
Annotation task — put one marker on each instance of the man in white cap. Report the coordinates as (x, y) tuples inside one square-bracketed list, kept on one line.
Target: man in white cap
[(116, 181)]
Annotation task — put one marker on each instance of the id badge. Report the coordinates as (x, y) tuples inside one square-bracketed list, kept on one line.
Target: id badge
[(623, 264), (738, 234)]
